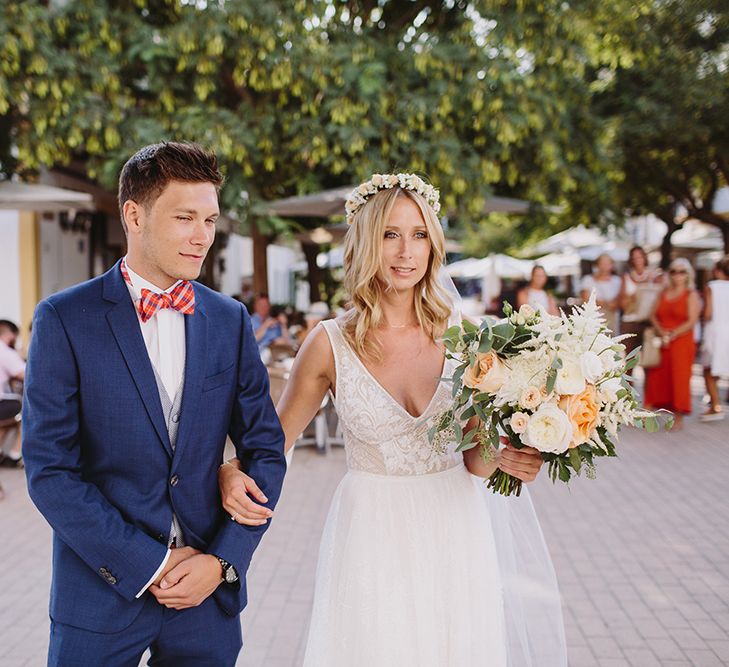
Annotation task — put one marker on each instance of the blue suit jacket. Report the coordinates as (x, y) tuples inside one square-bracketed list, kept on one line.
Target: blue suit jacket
[(98, 457)]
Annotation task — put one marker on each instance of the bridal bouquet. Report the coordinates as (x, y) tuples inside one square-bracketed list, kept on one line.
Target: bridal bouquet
[(555, 383)]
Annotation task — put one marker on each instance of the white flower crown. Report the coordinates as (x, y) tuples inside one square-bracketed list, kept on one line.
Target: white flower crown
[(358, 197)]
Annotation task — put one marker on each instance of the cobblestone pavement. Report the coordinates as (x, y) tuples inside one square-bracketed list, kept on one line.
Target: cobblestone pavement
[(642, 556)]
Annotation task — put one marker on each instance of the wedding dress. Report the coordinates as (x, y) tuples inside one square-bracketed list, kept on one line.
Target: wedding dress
[(420, 565)]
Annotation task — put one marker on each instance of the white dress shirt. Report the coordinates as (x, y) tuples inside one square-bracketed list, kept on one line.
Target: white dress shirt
[(164, 338)]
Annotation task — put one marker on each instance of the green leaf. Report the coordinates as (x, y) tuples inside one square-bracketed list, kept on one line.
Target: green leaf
[(486, 343), (631, 363), (551, 379), (493, 436), (470, 327), (480, 412), (504, 330), (458, 429), (575, 459), (468, 441), (469, 412)]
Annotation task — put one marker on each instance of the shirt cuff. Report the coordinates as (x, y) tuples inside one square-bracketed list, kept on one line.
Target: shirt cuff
[(156, 574)]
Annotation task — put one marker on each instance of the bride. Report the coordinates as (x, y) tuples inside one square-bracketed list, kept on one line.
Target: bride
[(419, 564)]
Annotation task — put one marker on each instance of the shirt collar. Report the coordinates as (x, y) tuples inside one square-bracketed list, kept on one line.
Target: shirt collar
[(138, 283)]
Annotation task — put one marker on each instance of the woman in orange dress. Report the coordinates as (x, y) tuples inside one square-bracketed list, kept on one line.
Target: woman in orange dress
[(674, 317)]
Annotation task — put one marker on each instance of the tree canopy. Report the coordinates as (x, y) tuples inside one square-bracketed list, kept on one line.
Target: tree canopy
[(578, 104), (667, 105), (296, 96)]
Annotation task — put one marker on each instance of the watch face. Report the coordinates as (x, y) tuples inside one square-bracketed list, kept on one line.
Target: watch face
[(230, 576)]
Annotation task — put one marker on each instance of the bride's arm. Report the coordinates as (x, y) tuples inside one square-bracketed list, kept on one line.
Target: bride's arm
[(311, 377), (523, 463)]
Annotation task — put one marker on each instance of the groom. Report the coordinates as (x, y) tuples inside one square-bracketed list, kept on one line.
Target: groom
[(134, 379)]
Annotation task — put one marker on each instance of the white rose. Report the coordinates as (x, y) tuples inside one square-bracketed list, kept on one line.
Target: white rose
[(377, 180), (609, 389), (526, 310), (549, 430), (591, 366), (363, 189), (570, 379)]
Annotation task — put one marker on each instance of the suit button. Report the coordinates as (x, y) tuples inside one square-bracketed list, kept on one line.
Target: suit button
[(174, 480), (162, 538), (108, 576), (175, 418)]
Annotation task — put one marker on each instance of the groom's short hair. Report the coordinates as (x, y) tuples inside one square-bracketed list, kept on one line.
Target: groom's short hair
[(147, 173)]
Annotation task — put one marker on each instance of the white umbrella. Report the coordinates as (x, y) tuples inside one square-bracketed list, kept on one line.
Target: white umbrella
[(33, 197), (460, 269), (618, 250), (560, 263), (697, 235), (576, 237), (500, 265)]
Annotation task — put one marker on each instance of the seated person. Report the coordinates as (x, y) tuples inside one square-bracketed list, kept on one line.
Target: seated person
[(269, 326), (12, 367)]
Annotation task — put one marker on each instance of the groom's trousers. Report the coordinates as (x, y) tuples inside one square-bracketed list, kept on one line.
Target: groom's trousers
[(202, 636)]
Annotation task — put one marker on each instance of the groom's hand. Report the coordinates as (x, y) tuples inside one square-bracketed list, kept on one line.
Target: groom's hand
[(190, 583), (176, 557)]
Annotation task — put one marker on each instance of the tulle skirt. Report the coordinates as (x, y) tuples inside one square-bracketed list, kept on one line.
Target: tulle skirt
[(433, 571)]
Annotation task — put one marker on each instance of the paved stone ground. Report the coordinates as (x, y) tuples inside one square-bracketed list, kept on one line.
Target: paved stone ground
[(642, 556)]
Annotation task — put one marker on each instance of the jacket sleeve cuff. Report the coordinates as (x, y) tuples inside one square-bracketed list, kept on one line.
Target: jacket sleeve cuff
[(156, 574)]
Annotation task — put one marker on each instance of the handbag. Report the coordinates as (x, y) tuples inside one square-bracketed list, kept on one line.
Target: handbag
[(650, 351)]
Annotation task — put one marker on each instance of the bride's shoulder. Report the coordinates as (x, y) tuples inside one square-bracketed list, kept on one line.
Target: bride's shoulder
[(316, 351)]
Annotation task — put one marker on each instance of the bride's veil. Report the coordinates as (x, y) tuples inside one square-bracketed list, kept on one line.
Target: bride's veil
[(532, 605)]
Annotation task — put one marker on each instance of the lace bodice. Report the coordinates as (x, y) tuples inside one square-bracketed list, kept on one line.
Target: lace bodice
[(380, 436)]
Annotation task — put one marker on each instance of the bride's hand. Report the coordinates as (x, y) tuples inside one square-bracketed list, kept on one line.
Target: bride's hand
[(235, 490), (523, 463)]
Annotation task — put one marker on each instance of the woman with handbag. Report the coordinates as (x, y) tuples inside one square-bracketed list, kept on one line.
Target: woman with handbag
[(673, 318), (640, 289)]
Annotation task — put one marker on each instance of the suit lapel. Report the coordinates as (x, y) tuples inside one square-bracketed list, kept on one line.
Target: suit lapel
[(124, 325), (196, 349)]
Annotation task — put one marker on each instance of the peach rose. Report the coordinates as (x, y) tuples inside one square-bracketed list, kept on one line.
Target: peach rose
[(472, 376), (487, 375), (530, 398), (582, 410)]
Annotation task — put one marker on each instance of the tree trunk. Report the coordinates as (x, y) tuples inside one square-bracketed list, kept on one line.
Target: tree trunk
[(260, 259), (315, 275), (666, 245), (207, 274)]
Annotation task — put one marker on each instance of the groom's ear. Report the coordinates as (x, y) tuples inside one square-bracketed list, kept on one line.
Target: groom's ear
[(132, 216)]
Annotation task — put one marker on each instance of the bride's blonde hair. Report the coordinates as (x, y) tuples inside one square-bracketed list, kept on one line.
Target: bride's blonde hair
[(363, 260)]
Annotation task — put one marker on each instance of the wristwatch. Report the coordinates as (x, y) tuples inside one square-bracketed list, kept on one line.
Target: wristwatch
[(230, 576)]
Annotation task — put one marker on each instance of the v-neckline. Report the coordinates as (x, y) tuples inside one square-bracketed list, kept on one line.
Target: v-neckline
[(381, 387)]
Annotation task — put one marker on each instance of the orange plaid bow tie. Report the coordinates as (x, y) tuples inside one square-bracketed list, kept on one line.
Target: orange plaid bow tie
[(181, 299)]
